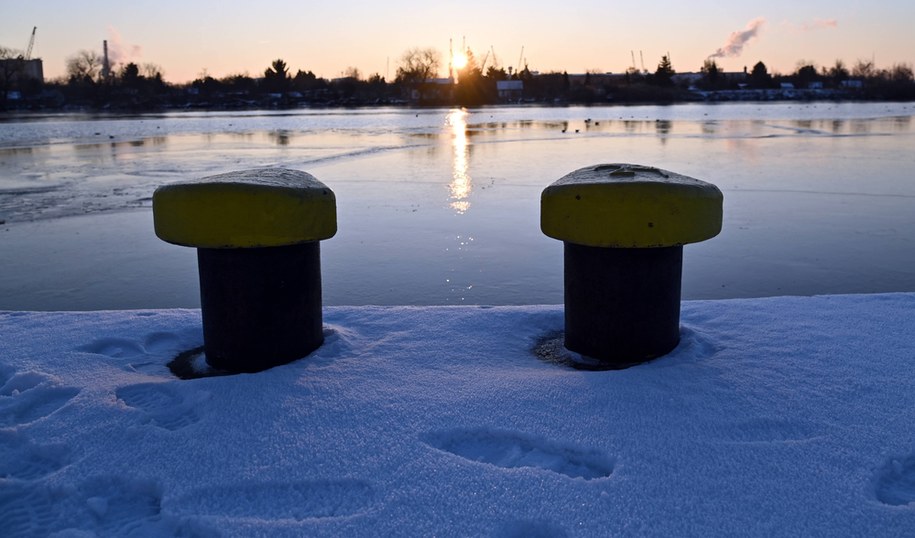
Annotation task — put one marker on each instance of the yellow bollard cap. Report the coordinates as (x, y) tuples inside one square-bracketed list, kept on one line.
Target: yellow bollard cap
[(630, 206), (252, 208)]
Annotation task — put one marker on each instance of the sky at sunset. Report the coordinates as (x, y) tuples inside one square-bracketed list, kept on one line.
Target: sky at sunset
[(189, 38)]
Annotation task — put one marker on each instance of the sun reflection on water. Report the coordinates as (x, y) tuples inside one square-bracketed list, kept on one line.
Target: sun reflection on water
[(461, 184)]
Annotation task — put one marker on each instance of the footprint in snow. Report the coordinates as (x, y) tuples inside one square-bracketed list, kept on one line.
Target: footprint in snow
[(29, 396), (114, 347), (167, 405), (147, 354), (27, 510), (99, 507), (22, 459), (896, 482), (511, 450)]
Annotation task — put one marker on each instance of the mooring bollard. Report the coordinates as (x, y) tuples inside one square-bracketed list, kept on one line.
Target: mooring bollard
[(624, 227), (256, 233)]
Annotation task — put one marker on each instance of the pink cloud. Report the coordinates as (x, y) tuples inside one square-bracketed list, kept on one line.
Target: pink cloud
[(819, 24)]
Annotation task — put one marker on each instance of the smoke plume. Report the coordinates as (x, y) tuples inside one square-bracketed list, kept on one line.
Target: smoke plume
[(737, 40), (118, 51)]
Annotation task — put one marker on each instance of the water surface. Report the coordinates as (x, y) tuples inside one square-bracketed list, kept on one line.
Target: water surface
[(441, 206)]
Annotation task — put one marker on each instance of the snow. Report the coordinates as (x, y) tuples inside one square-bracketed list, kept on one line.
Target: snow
[(787, 416)]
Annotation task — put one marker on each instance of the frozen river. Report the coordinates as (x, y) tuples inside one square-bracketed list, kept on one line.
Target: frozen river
[(441, 206)]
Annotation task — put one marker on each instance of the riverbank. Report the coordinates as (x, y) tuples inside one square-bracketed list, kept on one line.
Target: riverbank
[(556, 93)]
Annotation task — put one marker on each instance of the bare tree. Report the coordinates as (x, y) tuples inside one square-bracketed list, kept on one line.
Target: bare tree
[(837, 72), (7, 53), (864, 69), (418, 66), (85, 64), (11, 63), (11, 66), (151, 70), (901, 73)]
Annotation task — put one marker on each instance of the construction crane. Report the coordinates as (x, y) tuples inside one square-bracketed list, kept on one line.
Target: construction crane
[(28, 50), (483, 65)]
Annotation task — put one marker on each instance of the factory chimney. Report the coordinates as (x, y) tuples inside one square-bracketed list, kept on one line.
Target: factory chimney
[(106, 66)]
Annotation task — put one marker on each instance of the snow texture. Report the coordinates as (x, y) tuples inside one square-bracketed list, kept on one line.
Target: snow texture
[(785, 416)]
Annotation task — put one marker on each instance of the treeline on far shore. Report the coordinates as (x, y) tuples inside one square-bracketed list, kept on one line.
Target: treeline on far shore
[(132, 88)]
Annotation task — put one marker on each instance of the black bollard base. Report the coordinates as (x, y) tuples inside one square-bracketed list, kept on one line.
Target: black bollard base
[(261, 306), (622, 305)]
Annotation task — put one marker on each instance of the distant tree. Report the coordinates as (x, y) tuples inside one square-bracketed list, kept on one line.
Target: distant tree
[(712, 77), (11, 65), (663, 75), (633, 75), (353, 73), (131, 88), (760, 77), (276, 77), (837, 73), (10, 68), (805, 75), (863, 69), (494, 73), (84, 67), (7, 53), (901, 73), (471, 87), (151, 71), (241, 84), (303, 76), (588, 91), (546, 87), (377, 87), (207, 86), (306, 81), (710, 69), (417, 67), (130, 74), (347, 87), (895, 83), (279, 69)]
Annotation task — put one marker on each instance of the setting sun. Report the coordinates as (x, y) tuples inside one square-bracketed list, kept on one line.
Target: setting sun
[(459, 61)]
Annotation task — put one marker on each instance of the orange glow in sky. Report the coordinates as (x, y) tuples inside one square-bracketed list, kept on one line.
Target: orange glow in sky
[(227, 37)]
